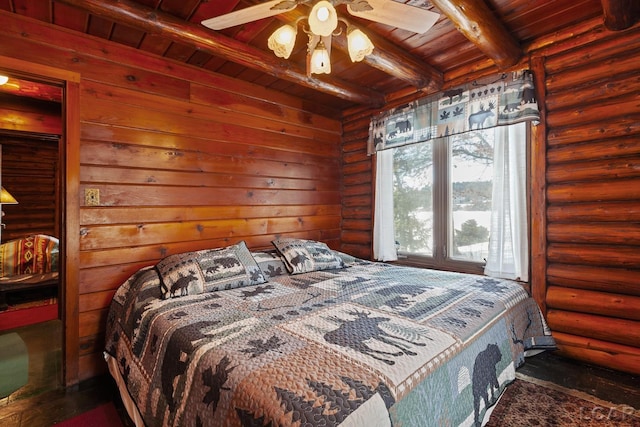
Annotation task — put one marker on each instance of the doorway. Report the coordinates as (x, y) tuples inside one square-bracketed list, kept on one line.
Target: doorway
[(67, 202), (30, 231)]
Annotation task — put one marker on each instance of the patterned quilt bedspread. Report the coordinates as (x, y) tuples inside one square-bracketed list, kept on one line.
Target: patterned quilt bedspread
[(367, 345)]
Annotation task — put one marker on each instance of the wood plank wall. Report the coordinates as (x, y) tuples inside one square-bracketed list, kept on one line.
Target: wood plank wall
[(21, 115), (592, 282), (182, 160)]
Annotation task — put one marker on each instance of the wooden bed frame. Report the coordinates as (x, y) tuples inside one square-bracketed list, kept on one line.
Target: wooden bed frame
[(25, 282)]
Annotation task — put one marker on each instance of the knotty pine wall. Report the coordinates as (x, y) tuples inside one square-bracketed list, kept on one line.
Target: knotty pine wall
[(182, 160), (586, 216)]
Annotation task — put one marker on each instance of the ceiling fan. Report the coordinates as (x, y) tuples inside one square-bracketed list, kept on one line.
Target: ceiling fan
[(323, 21), (389, 12)]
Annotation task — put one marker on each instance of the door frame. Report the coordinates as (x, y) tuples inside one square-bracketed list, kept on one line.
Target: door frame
[(69, 204)]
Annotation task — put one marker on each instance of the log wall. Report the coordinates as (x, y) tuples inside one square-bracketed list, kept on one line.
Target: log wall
[(30, 174), (587, 275), (182, 160), (359, 180), (593, 195)]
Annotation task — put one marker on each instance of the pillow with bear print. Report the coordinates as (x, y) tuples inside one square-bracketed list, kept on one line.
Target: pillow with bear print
[(304, 256), (208, 270)]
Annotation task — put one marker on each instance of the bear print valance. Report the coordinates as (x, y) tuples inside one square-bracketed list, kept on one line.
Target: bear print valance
[(508, 99)]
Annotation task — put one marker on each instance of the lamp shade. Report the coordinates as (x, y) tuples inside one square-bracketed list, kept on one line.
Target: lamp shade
[(282, 40), (320, 62), (358, 43), (3, 80), (6, 198), (323, 18)]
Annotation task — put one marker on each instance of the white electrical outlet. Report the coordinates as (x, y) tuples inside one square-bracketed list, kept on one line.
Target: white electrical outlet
[(92, 197)]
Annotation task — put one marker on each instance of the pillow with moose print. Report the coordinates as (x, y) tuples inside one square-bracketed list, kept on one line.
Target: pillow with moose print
[(208, 270), (303, 256)]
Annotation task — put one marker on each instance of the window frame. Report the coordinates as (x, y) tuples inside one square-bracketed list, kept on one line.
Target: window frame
[(442, 208)]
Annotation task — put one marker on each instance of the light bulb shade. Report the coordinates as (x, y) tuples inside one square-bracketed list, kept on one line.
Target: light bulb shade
[(3, 80), (282, 40), (6, 198), (323, 18), (358, 44), (320, 63)]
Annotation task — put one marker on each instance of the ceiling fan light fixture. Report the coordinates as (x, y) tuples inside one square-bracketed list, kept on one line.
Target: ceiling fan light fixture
[(282, 40), (320, 62), (322, 23), (358, 43), (323, 19)]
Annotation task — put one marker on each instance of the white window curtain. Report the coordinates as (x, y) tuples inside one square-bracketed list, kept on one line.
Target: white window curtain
[(508, 243), (384, 244)]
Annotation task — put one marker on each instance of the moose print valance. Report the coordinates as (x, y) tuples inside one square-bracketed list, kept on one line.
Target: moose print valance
[(508, 99)]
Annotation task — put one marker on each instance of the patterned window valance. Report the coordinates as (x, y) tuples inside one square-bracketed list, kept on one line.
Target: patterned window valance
[(508, 99)]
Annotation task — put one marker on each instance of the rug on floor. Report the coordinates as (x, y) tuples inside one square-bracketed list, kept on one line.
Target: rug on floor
[(105, 415), (14, 363), (530, 402)]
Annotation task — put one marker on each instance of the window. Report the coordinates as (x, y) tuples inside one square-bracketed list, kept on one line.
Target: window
[(443, 193), (444, 182)]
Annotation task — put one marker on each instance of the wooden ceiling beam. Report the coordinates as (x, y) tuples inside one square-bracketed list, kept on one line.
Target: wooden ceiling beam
[(165, 25), (388, 58), (620, 14), (478, 24)]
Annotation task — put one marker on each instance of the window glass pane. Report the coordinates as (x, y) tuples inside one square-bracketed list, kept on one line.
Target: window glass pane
[(412, 198), (471, 174)]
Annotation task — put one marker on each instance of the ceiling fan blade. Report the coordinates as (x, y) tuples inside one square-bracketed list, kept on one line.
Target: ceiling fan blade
[(398, 15), (248, 14)]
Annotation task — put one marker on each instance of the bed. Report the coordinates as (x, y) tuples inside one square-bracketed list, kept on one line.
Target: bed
[(28, 264), (302, 335)]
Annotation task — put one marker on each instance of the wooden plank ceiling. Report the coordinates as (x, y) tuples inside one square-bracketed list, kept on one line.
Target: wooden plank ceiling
[(493, 33)]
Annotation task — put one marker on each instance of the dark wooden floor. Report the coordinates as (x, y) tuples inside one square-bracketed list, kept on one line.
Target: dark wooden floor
[(42, 402)]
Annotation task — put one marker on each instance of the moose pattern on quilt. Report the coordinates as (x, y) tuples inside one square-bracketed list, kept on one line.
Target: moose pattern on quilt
[(208, 270), (368, 344)]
